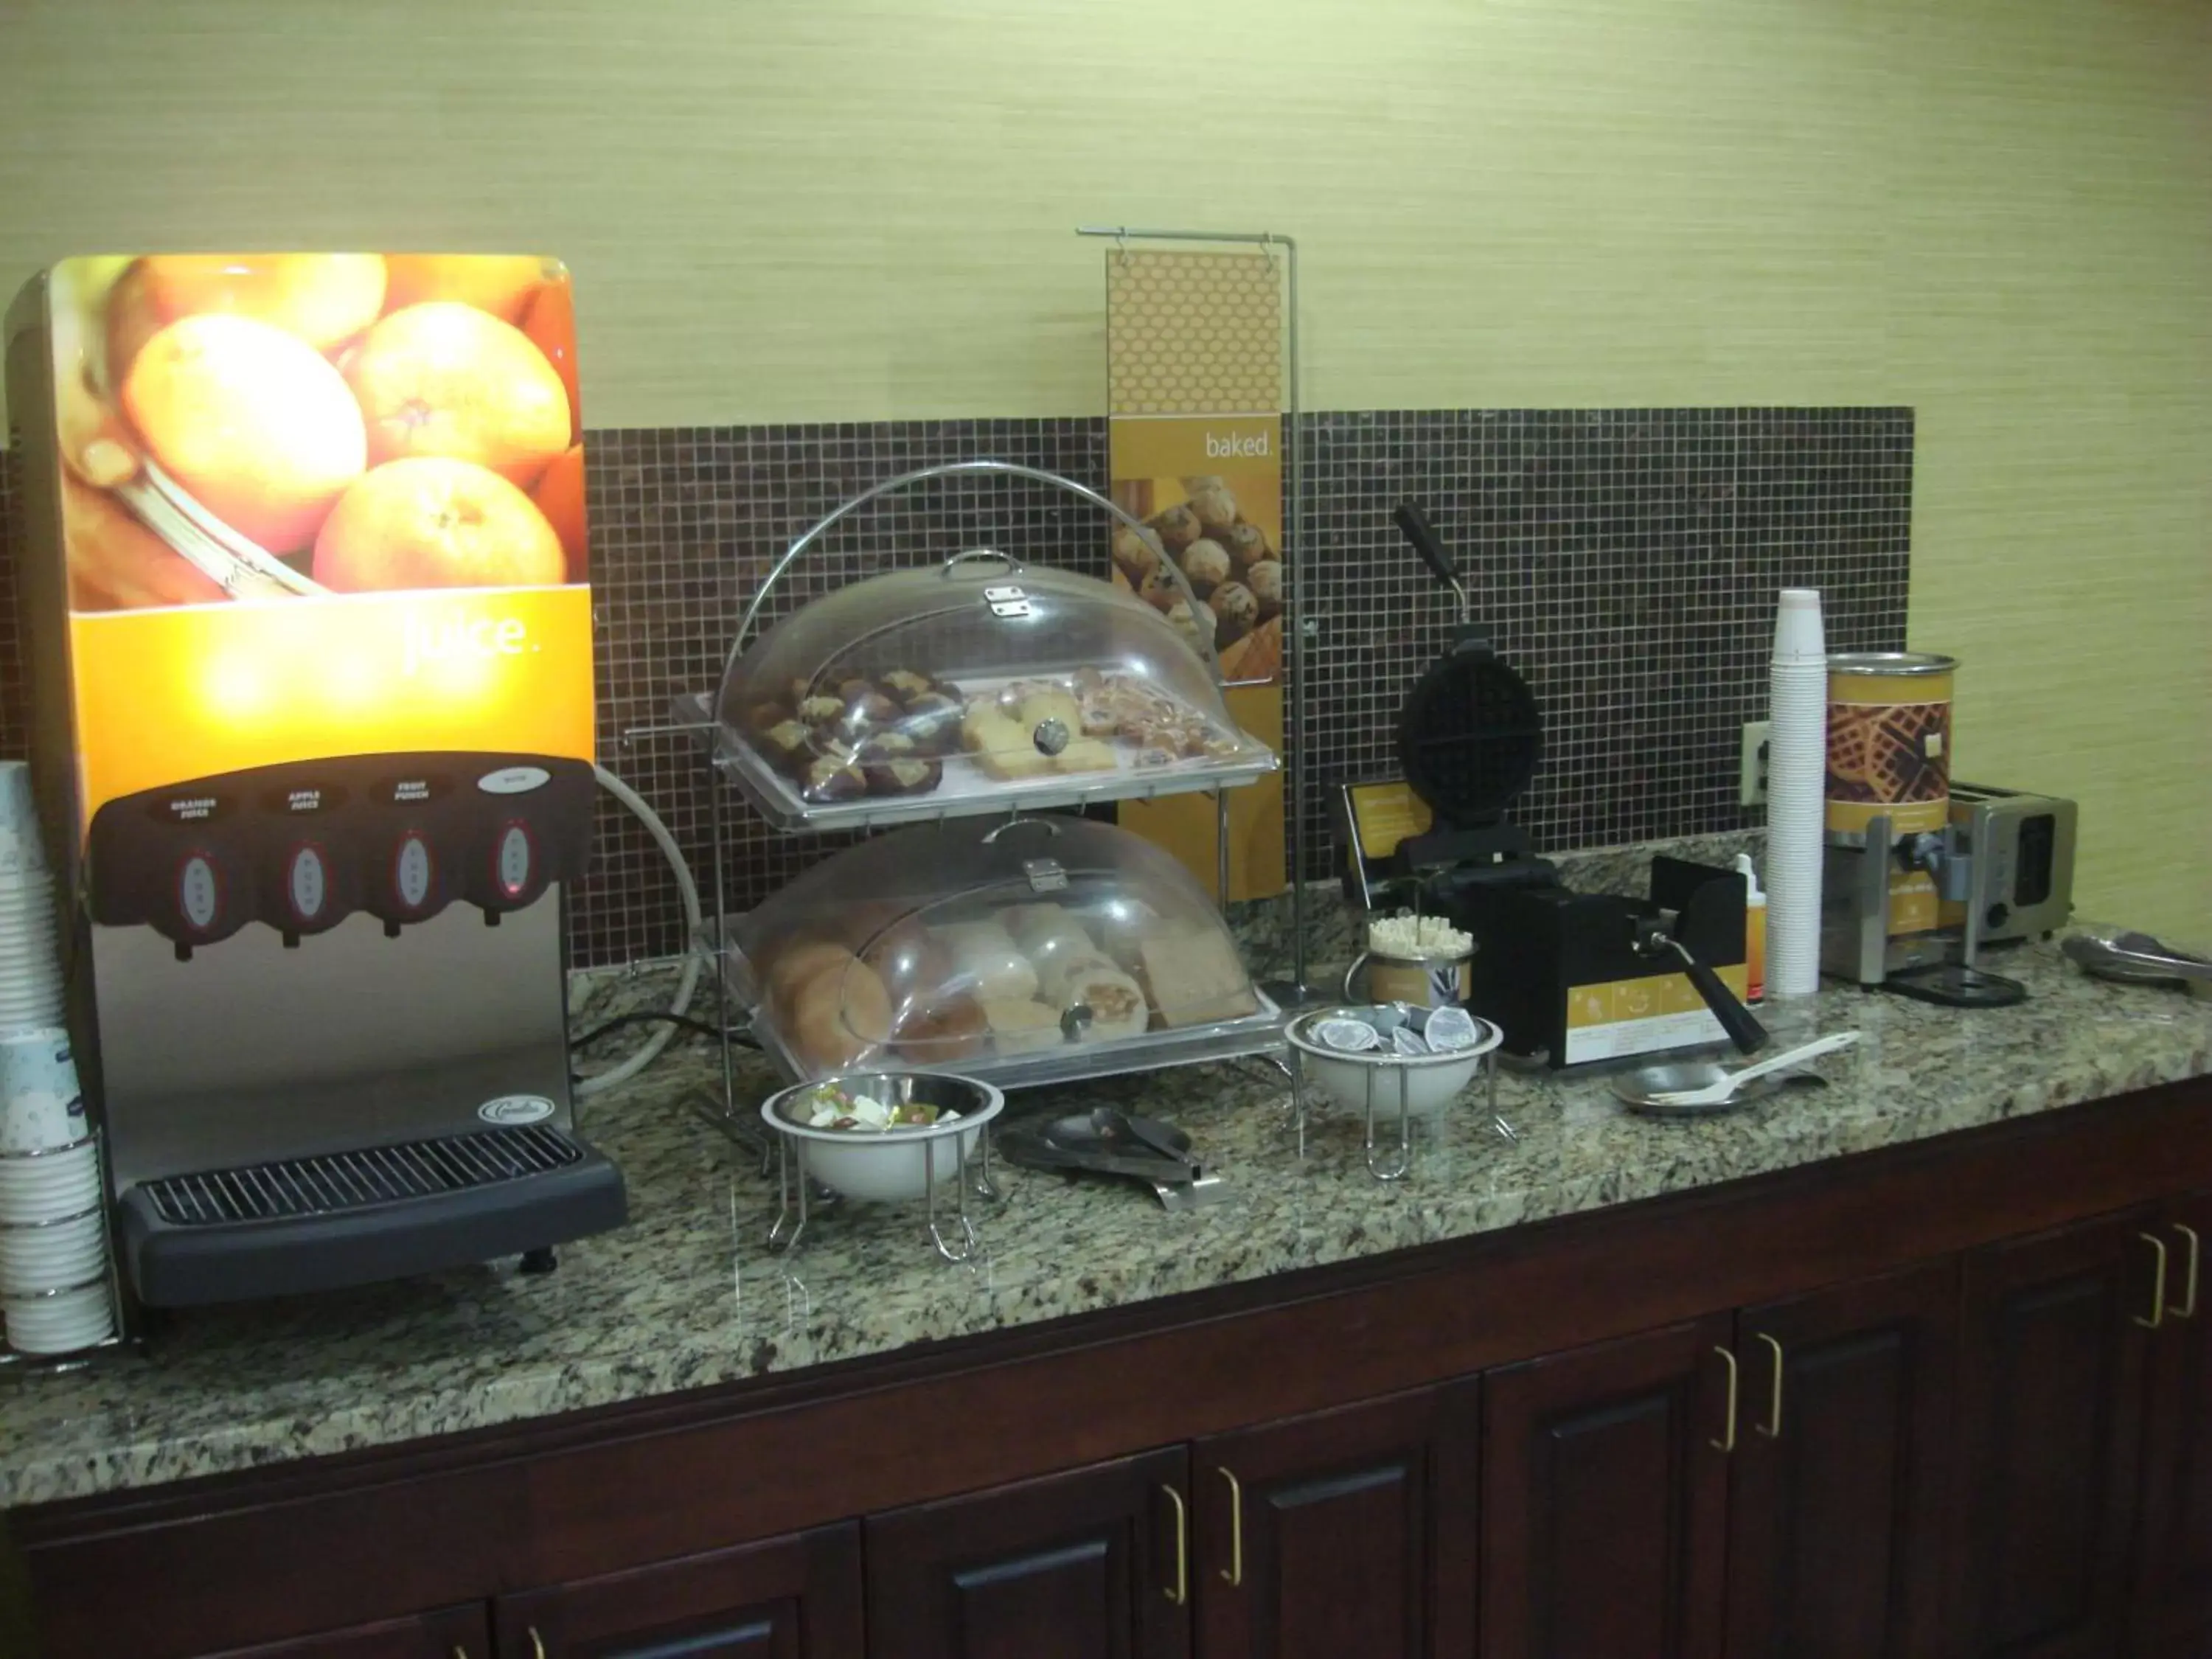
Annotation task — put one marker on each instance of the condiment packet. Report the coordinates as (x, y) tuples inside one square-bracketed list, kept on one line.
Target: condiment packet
[(1450, 1029), (1351, 1037), (1406, 1041)]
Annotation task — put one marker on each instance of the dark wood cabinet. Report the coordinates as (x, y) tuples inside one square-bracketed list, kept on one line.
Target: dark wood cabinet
[(1843, 1472), (451, 1633), (2173, 1596), (1604, 1500), (2052, 1382), (789, 1598), (1093, 1564), (1349, 1532)]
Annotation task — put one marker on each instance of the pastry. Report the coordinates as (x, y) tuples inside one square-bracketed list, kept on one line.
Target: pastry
[(1236, 609), (1114, 1001), (1026, 923), (894, 766), (1050, 702), (1192, 977), (1004, 748), (1178, 527), (822, 714), (1265, 579), (932, 720), (793, 965), (1210, 500), (947, 1029), (788, 746), (856, 687), (1059, 955), (1247, 544), (1086, 755), (1159, 589), (985, 959), (839, 1015), (1121, 926), (765, 717), (1019, 1025), (905, 685), (832, 777), (1136, 552), (1206, 565), (867, 714), (1195, 623)]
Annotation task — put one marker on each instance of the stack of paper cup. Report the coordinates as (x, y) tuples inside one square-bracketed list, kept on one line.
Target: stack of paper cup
[(30, 964), (1797, 776), (54, 1294), (53, 1232)]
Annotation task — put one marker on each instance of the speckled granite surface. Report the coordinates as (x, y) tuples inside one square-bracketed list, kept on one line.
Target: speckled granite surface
[(688, 1295)]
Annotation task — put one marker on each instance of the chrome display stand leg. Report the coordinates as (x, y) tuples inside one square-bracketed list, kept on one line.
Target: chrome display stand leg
[(1404, 1166)]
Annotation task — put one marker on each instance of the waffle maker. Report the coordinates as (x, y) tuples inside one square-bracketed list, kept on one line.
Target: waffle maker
[(1573, 978)]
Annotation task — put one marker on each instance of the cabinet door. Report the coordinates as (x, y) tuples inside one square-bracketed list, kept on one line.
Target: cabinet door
[(454, 1633), (1605, 1499), (2174, 1597), (1842, 1474), (1324, 1536), (789, 1598), (1093, 1564), (2049, 1413)]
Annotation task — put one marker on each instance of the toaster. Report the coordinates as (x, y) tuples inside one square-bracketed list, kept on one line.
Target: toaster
[(2025, 845)]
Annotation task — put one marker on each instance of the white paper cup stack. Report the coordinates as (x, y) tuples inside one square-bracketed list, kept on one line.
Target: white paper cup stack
[(53, 1234), (1796, 795), (54, 1296), (30, 963)]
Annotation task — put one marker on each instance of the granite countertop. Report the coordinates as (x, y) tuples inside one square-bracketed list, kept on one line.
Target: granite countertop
[(688, 1295)]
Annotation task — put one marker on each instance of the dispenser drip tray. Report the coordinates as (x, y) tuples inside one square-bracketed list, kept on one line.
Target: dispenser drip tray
[(351, 1218)]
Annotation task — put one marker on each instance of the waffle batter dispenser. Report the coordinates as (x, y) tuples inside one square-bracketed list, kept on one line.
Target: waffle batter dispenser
[(1914, 880), (311, 692), (1574, 977)]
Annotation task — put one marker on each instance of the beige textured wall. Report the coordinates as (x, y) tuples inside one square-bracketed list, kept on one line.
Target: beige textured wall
[(1999, 211)]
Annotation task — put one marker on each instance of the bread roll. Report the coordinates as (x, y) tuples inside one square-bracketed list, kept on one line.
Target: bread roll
[(839, 1015), (949, 1029), (1020, 1025), (1116, 1002), (914, 967), (1027, 922), (985, 960), (1193, 977), (796, 963)]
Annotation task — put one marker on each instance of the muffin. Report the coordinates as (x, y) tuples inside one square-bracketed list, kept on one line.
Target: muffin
[(1265, 579), (1236, 611), (1247, 544), (1206, 565), (1178, 527)]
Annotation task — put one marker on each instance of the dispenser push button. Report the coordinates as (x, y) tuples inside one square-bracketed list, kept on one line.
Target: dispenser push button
[(199, 892), (411, 871), (516, 863), (308, 883)]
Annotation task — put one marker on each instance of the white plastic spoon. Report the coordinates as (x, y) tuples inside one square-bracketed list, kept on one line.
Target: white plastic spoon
[(1713, 1094)]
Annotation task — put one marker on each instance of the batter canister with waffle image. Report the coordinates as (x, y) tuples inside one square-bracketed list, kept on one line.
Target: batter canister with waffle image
[(1889, 741)]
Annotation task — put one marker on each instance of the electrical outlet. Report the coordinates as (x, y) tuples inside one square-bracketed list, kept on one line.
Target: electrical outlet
[(1751, 764)]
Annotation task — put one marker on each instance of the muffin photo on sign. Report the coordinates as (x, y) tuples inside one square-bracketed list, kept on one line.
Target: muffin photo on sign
[(1222, 531)]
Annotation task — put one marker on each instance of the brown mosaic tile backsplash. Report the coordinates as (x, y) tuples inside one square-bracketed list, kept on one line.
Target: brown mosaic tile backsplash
[(1623, 560)]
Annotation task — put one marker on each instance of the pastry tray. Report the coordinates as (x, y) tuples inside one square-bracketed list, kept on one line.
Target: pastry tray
[(965, 791), (1252, 1035)]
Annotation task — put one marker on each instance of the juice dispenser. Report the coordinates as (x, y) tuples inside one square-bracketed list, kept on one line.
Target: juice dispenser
[(305, 596)]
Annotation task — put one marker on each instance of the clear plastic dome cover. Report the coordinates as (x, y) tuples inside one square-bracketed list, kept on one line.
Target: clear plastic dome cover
[(944, 946), (952, 689)]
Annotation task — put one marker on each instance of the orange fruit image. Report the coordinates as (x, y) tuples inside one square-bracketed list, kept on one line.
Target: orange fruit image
[(502, 283), (133, 318), (560, 497), (445, 378), (115, 564), (551, 325), (251, 421), (432, 522), (322, 298)]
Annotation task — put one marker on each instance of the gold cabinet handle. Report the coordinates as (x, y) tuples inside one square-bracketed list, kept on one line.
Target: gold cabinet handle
[(536, 1643), (2188, 1308), (1179, 1592), (2158, 1286), (1772, 1427), (1233, 1574), (1735, 1380)]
